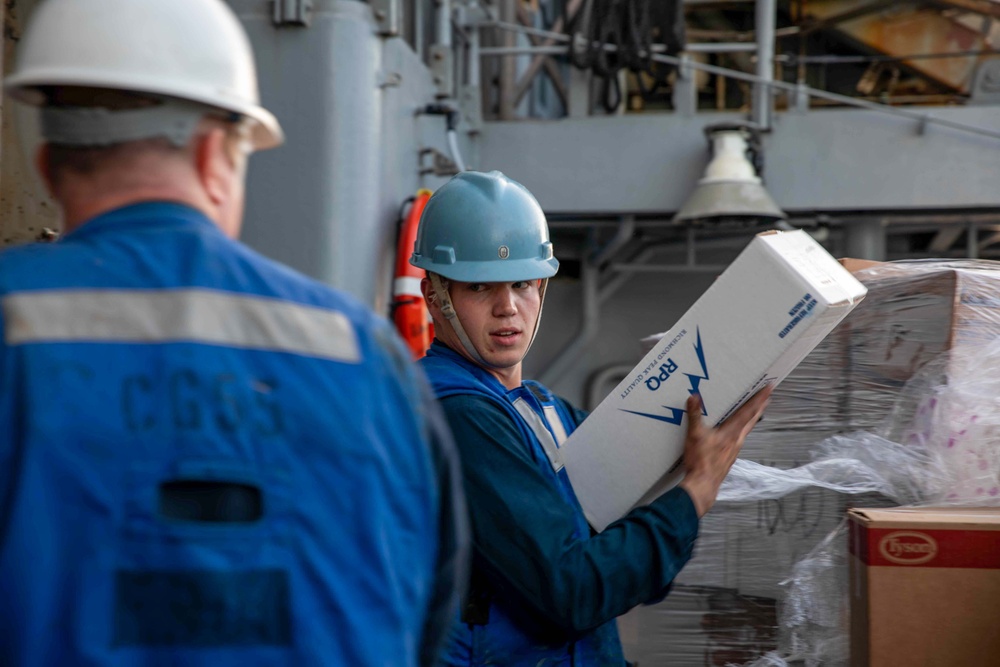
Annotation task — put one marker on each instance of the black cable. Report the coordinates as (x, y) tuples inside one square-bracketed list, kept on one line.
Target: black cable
[(611, 92), (608, 30), (631, 27), (795, 59), (638, 53), (579, 27)]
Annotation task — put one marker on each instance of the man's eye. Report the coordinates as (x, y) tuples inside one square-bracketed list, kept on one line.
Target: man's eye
[(476, 287), (521, 284)]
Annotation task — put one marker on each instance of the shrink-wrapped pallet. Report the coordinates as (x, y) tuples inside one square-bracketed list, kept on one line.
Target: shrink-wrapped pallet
[(907, 370)]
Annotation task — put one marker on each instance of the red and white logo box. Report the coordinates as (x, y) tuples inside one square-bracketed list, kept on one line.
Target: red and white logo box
[(925, 586)]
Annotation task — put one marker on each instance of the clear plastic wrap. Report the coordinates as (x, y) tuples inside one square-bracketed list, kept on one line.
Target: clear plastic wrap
[(852, 464), (897, 406), (815, 614)]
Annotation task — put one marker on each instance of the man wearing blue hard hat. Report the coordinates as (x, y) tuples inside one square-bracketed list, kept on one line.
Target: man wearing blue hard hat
[(544, 589)]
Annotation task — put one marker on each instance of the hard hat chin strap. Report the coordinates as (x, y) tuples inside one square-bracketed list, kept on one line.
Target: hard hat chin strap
[(448, 310), (542, 284)]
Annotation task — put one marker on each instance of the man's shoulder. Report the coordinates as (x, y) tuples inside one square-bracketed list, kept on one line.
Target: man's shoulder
[(451, 376), (33, 264), (471, 402), (482, 411), (282, 281), (285, 283)]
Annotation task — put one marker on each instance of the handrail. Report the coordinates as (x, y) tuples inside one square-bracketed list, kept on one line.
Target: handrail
[(659, 55)]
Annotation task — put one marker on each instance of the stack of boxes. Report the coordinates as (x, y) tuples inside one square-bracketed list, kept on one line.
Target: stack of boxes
[(922, 323)]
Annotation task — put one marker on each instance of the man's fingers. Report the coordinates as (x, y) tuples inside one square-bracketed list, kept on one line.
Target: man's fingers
[(694, 413), (750, 412)]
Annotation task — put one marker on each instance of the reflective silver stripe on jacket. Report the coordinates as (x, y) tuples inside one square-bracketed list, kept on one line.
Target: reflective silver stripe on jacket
[(555, 423), (184, 315), (538, 428)]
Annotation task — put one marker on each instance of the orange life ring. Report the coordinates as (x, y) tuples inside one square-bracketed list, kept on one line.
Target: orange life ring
[(409, 312)]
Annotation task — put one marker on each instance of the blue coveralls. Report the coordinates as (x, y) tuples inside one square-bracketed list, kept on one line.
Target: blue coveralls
[(544, 590), (209, 459)]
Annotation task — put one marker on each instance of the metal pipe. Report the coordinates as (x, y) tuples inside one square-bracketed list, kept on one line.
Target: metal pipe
[(719, 47), (837, 60), (972, 241), (763, 98), (508, 68), (617, 282), (418, 29), (622, 236), (865, 239), (456, 154), (474, 53), (444, 23), (670, 268), (527, 30), (557, 50), (702, 47), (522, 50)]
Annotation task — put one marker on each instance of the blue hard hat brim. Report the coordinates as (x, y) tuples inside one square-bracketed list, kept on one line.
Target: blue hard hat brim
[(494, 271)]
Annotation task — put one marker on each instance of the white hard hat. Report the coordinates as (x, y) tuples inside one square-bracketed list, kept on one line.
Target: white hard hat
[(193, 50)]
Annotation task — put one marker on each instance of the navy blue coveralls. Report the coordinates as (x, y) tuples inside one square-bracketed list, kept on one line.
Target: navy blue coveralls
[(544, 590), (209, 459)]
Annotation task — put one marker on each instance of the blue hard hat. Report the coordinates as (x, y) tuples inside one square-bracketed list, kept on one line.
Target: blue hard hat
[(484, 227)]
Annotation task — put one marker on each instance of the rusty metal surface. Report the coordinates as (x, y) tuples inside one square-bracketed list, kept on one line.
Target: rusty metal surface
[(905, 29), (25, 208), (984, 7)]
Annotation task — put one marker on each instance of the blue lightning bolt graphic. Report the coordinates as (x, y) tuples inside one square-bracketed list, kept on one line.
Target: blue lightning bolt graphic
[(677, 414), (695, 380)]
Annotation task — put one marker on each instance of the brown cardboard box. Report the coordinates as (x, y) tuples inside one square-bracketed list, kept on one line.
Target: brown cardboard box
[(925, 587), (854, 265)]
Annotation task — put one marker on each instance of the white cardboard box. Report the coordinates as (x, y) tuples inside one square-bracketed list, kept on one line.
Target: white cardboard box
[(764, 314)]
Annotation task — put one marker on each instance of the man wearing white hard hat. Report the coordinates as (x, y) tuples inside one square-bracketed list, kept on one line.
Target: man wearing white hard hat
[(207, 458)]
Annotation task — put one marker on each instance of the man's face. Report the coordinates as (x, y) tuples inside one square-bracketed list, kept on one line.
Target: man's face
[(498, 317)]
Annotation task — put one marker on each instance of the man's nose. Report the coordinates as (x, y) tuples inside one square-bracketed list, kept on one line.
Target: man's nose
[(505, 304)]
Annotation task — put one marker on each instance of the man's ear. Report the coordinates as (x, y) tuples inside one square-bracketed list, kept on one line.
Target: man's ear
[(44, 168), (428, 291), (430, 298), (212, 164)]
